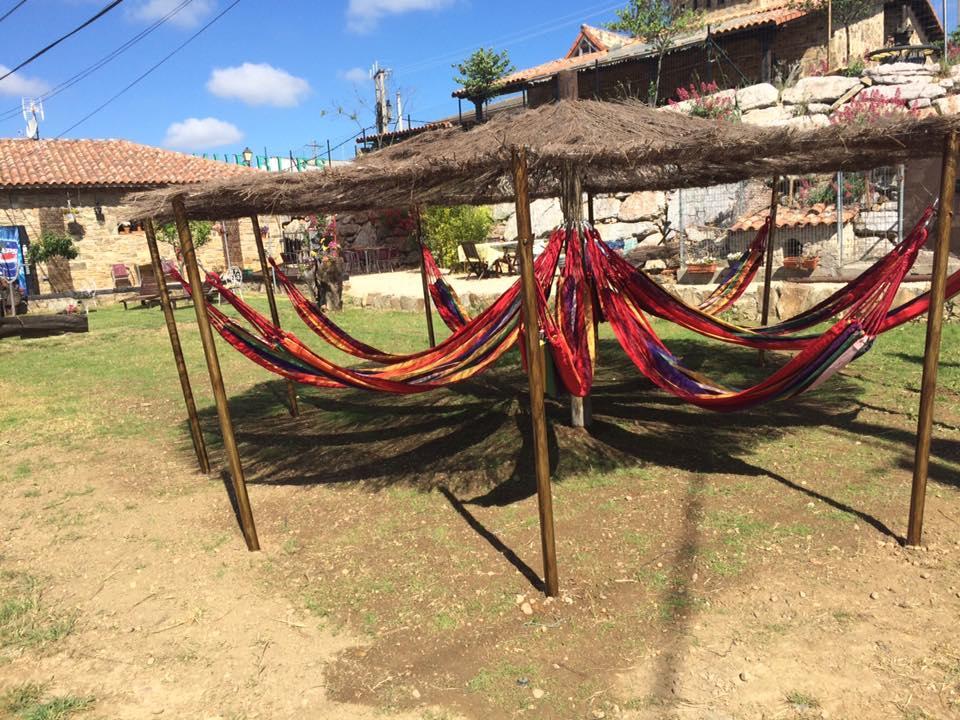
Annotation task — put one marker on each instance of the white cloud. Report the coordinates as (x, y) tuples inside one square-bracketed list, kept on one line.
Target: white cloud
[(189, 16), (356, 75), (363, 15), (258, 84), (200, 134), (18, 84)]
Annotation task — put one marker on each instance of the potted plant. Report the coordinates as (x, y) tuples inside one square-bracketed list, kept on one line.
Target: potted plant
[(702, 265), (810, 262), (793, 262)]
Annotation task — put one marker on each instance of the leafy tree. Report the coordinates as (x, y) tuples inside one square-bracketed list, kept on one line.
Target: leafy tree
[(444, 228), (480, 74), (845, 13), (50, 246), (200, 231), (658, 22)]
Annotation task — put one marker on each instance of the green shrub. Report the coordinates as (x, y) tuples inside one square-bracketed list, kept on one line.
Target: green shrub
[(49, 246), (444, 228)]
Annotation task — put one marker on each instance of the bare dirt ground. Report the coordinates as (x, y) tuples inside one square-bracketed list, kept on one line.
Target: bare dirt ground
[(742, 566)]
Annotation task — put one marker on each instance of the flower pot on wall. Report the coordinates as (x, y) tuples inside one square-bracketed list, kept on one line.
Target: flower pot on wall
[(702, 268), (793, 262), (810, 263)]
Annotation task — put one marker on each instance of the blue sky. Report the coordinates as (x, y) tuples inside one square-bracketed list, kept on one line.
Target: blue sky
[(274, 74)]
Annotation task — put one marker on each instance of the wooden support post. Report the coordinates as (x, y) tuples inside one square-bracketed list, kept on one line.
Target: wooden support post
[(535, 371), (216, 377), (272, 301), (427, 304), (571, 203), (768, 261), (931, 353), (590, 209), (199, 446)]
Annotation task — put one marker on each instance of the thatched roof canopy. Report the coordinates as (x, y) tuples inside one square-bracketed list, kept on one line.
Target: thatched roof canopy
[(616, 147)]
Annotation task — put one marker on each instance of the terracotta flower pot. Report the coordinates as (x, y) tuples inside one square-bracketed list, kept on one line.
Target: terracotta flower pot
[(702, 268), (793, 262), (811, 263)]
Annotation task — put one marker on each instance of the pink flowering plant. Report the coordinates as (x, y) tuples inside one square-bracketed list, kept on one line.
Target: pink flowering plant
[(705, 103), (871, 107)]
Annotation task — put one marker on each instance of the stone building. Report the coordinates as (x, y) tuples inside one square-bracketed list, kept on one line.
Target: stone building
[(74, 188), (739, 43)]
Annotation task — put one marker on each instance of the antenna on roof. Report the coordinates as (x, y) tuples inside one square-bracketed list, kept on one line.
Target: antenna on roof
[(32, 111)]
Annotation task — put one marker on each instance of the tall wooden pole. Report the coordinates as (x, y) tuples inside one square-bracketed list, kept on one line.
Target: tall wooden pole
[(272, 301), (199, 446), (768, 262), (571, 204), (931, 353), (427, 303), (590, 209), (216, 377), (535, 371)]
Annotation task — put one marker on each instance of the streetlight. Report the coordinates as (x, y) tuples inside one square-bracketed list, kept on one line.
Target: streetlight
[(247, 156)]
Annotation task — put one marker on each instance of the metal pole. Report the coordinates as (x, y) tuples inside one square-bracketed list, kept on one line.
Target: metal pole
[(199, 446), (272, 301), (768, 263), (829, 30), (423, 278), (840, 216), (901, 171), (535, 371), (216, 377), (329, 156), (931, 353)]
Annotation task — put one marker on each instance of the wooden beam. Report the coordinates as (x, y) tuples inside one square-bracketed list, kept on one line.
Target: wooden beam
[(535, 371), (427, 303), (199, 445), (768, 261), (272, 301), (216, 377), (931, 353)]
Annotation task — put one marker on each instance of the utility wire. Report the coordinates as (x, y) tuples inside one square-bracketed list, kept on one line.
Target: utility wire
[(59, 40), (151, 68), (89, 70), (12, 10)]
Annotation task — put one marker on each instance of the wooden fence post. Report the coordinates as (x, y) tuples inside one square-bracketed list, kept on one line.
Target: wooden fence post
[(199, 446), (216, 377), (431, 335), (535, 371), (272, 301), (931, 352)]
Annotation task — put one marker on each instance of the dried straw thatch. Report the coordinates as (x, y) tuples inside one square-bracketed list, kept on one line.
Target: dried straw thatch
[(615, 147)]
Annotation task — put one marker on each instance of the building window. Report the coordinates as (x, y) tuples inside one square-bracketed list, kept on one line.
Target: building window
[(585, 47)]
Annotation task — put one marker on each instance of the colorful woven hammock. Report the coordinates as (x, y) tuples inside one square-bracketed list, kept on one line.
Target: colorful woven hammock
[(445, 298), (652, 298), (820, 359), (593, 278), (461, 356), (735, 280)]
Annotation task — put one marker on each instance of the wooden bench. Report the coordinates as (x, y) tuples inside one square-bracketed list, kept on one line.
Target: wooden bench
[(149, 295)]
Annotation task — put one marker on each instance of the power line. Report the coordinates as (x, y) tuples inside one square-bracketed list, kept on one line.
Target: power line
[(59, 40), (151, 69), (90, 69), (12, 10), (512, 39)]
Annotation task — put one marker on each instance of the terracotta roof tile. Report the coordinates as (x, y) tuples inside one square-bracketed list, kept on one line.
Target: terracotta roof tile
[(787, 217), (99, 163)]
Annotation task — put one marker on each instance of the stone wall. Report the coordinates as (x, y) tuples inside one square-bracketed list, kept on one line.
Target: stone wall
[(101, 244)]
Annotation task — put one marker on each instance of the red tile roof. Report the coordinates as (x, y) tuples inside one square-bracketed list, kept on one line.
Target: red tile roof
[(102, 163), (787, 217)]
